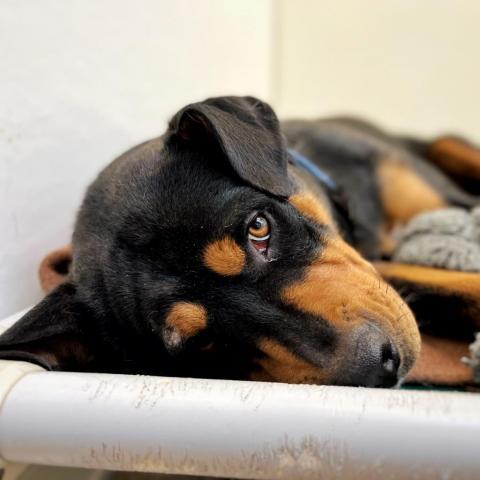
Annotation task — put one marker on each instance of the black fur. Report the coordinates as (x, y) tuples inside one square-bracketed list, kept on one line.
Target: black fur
[(145, 221), (137, 250)]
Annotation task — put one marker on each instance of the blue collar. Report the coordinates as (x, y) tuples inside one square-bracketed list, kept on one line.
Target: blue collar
[(340, 205), (300, 161)]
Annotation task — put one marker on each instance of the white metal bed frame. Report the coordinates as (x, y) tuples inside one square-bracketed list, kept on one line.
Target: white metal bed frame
[(234, 429)]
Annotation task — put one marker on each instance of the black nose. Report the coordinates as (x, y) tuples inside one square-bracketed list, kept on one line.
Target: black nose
[(372, 360)]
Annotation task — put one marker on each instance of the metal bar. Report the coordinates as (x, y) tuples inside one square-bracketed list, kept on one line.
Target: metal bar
[(239, 429)]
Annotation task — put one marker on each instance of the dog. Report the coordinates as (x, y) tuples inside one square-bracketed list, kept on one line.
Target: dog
[(235, 246)]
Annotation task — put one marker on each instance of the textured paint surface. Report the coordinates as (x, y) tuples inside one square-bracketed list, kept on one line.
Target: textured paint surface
[(255, 430)]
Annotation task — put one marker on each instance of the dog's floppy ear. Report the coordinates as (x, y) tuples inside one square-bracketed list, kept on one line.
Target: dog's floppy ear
[(246, 131), (54, 334)]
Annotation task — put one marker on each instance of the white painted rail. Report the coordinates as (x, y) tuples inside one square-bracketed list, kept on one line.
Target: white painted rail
[(237, 429)]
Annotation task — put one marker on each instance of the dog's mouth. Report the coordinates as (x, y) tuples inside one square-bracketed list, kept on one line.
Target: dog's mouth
[(366, 356)]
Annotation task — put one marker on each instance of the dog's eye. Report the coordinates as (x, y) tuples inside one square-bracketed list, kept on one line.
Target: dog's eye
[(259, 233)]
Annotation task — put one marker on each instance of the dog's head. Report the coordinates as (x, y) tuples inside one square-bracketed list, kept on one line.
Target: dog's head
[(202, 253)]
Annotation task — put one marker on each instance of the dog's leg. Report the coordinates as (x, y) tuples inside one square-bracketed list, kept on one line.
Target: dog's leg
[(439, 175), (445, 302), (403, 194), (456, 157)]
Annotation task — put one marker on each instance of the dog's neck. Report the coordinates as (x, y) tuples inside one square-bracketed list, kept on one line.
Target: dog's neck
[(328, 189)]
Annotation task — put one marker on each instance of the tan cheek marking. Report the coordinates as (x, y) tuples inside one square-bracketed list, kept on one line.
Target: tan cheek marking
[(308, 205), (281, 365), (333, 286), (403, 193), (344, 289), (224, 257), (186, 319)]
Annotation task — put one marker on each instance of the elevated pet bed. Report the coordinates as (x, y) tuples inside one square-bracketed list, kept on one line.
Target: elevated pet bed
[(249, 429)]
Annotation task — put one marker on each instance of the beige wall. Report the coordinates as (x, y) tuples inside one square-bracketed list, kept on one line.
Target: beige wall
[(409, 64)]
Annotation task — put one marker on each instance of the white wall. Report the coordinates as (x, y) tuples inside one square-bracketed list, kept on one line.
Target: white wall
[(413, 65), (81, 81)]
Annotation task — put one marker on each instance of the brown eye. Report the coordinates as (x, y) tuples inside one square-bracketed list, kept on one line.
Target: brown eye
[(259, 229), (259, 233)]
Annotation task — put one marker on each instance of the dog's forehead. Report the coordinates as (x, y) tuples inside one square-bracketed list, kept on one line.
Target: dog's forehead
[(151, 190), (167, 207)]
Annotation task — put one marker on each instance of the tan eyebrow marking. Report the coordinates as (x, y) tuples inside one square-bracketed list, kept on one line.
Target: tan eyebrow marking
[(224, 257), (308, 205)]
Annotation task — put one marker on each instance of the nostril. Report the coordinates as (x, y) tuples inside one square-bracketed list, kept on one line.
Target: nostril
[(373, 360), (390, 358)]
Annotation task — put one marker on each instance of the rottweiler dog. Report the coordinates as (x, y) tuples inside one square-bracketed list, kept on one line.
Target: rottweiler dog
[(234, 246)]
